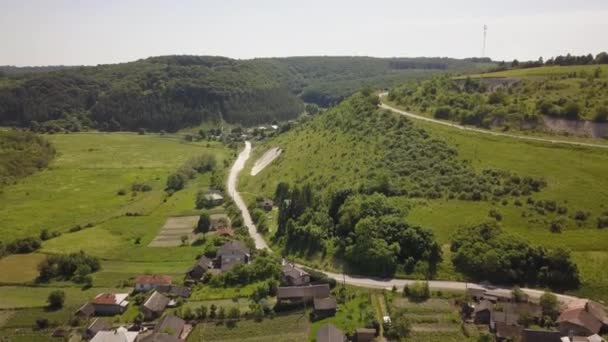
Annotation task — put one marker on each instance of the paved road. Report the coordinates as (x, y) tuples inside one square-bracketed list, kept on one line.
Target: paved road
[(238, 165), (369, 282), (484, 131)]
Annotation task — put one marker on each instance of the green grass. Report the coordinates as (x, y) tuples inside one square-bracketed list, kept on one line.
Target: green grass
[(20, 268), (282, 328), (18, 297), (81, 184)]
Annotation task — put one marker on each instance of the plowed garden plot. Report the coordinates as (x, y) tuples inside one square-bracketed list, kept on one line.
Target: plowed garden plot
[(173, 230)]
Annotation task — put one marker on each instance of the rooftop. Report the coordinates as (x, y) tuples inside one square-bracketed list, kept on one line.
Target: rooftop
[(329, 333), (153, 279), (109, 298), (311, 291)]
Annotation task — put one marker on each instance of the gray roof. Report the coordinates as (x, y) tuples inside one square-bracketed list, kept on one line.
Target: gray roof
[(87, 309), (505, 317), (529, 335), (329, 333), (328, 303), (97, 325), (291, 271), (297, 292), (233, 247), (175, 291), (482, 306), (171, 325), (157, 302)]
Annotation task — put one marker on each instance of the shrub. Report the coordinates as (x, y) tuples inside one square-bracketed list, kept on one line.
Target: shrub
[(56, 299), (66, 266), (42, 323), (176, 181), (204, 223), (417, 291)]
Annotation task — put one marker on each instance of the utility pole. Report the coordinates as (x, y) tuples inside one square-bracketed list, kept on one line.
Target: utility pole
[(485, 34)]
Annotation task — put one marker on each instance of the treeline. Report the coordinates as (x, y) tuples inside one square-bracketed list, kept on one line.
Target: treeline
[(172, 92), (203, 163), (485, 252), (75, 266), (567, 60), (21, 154), (507, 103), (370, 233)]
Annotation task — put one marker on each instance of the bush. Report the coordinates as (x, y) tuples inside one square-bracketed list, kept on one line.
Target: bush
[(176, 181), (23, 246), (42, 323), (417, 291), (56, 299), (73, 266)]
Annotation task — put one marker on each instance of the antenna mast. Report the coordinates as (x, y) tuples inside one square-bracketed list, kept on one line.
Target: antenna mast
[(485, 33)]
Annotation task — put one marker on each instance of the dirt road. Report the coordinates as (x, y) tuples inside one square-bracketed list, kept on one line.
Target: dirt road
[(238, 165), (484, 131)]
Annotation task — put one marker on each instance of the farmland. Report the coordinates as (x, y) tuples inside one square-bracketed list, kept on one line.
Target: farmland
[(81, 189)]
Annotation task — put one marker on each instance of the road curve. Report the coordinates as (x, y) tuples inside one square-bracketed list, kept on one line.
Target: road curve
[(483, 131), (238, 165), (361, 281)]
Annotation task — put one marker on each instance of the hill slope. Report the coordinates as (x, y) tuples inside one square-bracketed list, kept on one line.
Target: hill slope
[(568, 99), (172, 92), (445, 179)]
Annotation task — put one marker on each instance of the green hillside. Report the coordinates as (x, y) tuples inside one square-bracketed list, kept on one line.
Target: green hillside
[(513, 99), (173, 92), (444, 179)]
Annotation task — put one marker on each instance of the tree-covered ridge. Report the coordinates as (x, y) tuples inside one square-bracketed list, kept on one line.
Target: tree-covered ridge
[(172, 92), (21, 154), (402, 159), (510, 102)]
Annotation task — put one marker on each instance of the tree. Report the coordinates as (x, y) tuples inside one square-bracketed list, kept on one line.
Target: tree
[(234, 313), (400, 326), (56, 299), (221, 313), (42, 323), (141, 131), (549, 305), (519, 295), (176, 181), (212, 311), (204, 222)]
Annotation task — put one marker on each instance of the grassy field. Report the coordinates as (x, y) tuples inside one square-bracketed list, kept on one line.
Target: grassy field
[(575, 179), (282, 328), (81, 187)]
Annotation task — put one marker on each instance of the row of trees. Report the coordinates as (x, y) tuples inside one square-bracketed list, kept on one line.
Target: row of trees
[(203, 163), (485, 252), (75, 266)]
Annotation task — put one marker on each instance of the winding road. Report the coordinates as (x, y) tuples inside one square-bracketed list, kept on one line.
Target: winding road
[(383, 105), (362, 281)]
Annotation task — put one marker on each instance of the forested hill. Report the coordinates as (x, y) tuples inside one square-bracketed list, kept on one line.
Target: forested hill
[(172, 92)]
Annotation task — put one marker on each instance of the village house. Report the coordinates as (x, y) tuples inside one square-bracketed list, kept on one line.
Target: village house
[(294, 276), (151, 282), (302, 293), (108, 304), (156, 337), (476, 293), (202, 265), (232, 253), (119, 335), (582, 317), (214, 198), (364, 335), (225, 232), (174, 291), (85, 311), (530, 335), (154, 306), (96, 326), (498, 295), (171, 325), (329, 333), (482, 312), (324, 307)]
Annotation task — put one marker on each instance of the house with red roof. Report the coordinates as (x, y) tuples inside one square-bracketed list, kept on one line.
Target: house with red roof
[(151, 282)]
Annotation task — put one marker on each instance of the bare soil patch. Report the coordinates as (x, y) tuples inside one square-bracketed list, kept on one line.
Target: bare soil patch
[(265, 160)]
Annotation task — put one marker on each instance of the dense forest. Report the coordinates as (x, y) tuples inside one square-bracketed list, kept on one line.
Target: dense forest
[(508, 103), (567, 60), (21, 154), (172, 92)]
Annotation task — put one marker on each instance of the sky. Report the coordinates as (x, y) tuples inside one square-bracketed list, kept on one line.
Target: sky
[(90, 32)]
